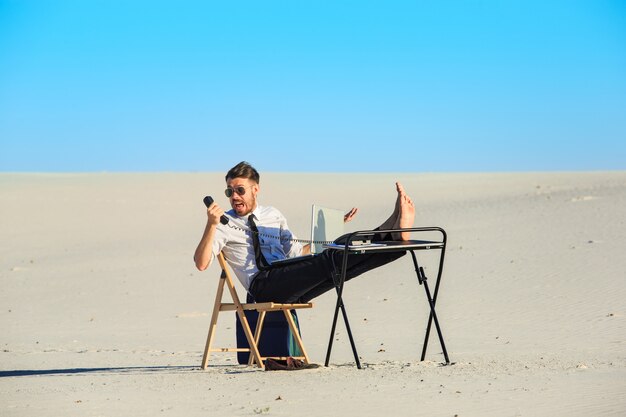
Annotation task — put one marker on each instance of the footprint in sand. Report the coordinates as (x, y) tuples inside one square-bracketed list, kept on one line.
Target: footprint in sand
[(584, 198), (191, 315)]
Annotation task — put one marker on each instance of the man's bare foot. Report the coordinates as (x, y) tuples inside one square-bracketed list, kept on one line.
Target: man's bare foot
[(392, 221), (406, 216), (401, 193), (397, 218)]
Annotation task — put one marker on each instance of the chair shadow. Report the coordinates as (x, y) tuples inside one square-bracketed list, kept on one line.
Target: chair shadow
[(127, 370)]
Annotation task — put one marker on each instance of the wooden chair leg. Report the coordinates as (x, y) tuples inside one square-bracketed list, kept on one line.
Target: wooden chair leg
[(254, 350), (296, 334), (213, 324), (257, 333)]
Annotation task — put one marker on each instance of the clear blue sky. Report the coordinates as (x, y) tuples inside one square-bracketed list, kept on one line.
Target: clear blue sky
[(418, 86)]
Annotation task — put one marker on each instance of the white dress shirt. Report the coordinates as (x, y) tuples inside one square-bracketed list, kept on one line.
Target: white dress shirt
[(234, 240)]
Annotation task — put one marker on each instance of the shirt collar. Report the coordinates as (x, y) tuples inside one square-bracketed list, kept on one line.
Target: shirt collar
[(256, 212)]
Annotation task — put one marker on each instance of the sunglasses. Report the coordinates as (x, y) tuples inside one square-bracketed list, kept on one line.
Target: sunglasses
[(241, 190)]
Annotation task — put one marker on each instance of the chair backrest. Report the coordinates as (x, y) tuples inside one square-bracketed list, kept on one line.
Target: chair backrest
[(227, 279), (326, 225)]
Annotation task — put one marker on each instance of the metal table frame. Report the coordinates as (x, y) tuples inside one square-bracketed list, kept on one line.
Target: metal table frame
[(394, 246)]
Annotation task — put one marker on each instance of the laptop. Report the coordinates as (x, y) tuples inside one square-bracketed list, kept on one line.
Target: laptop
[(326, 225)]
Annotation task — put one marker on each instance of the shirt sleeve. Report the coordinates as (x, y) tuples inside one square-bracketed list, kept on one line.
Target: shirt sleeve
[(219, 241)]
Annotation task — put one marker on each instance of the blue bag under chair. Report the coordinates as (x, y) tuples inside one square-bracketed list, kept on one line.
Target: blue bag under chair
[(276, 339)]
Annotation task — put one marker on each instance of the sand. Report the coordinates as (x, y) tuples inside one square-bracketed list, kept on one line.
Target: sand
[(104, 314)]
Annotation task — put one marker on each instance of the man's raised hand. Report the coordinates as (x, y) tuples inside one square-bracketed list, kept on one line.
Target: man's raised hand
[(350, 215)]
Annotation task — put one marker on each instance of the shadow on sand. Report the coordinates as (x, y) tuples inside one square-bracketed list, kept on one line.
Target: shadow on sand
[(128, 370), (111, 370)]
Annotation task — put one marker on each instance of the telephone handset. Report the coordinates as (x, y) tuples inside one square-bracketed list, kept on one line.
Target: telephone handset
[(208, 200)]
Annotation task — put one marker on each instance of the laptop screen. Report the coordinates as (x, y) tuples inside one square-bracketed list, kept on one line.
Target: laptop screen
[(326, 225)]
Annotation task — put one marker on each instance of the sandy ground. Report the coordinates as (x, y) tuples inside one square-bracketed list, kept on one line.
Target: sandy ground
[(103, 313)]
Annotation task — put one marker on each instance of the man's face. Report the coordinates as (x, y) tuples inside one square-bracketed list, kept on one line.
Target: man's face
[(245, 203)]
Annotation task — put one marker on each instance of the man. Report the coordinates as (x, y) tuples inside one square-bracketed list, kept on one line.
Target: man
[(297, 282)]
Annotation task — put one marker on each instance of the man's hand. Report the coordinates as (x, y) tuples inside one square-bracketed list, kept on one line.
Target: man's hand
[(214, 213), (350, 215), (204, 252)]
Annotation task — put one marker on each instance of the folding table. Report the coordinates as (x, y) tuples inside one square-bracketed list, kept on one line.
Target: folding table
[(352, 249)]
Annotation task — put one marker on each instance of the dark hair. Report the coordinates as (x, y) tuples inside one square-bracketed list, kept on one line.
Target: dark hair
[(243, 170)]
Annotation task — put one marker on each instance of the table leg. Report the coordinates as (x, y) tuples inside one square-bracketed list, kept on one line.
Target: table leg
[(340, 305), (433, 316), (431, 302)]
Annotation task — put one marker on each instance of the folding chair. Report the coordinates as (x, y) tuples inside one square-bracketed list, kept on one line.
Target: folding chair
[(261, 308)]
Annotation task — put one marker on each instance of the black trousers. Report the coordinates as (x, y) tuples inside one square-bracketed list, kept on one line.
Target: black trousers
[(300, 282)]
